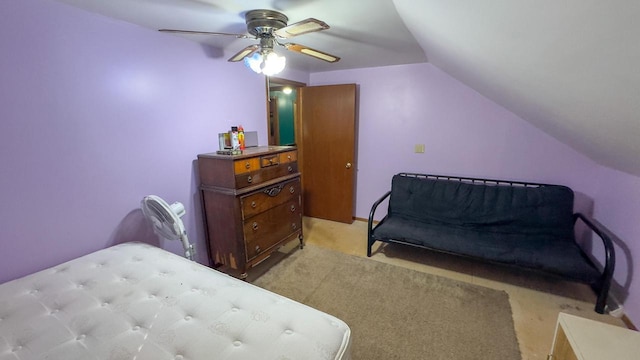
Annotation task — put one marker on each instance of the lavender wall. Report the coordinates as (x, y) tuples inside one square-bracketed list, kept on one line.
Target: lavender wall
[(467, 134), (96, 113), (464, 133), (617, 206)]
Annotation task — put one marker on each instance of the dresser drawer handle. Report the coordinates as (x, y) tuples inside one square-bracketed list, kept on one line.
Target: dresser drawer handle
[(289, 157), (258, 249), (269, 161), (249, 179), (253, 204), (255, 226), (292, 189), (290, 169), (274, 191), (294, 226), (247, 165), (293, 208)]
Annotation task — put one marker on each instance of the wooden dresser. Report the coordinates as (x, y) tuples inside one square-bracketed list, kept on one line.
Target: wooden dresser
[(252, 205)]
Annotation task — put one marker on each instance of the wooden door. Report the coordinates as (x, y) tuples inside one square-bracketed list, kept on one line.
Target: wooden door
[(274, 121), (327, 151)]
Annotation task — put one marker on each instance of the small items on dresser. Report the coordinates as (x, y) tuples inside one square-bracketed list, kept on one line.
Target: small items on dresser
[(233, 142), (251, 205)]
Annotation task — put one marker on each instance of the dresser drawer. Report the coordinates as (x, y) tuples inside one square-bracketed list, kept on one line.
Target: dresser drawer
[(246, 165), (265, 174), (265, 230), (269, 160), (269, 197), (289, 156)]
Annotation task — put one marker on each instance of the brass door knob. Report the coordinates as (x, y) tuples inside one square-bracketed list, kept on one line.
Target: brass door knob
[(348, 165)]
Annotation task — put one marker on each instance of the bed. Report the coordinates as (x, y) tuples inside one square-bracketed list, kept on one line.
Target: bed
[(136, 301)]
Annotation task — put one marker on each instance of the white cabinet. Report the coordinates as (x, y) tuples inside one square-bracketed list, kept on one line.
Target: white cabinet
[(578, 338)]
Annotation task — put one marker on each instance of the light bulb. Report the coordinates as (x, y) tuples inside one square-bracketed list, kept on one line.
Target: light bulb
[(268, 63), (254, 62)]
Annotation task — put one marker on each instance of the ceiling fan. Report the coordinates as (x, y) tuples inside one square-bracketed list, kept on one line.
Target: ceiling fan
[(269, 26)]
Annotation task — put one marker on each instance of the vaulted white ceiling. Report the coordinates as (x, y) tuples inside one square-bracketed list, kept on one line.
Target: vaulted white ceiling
[(569, 67)]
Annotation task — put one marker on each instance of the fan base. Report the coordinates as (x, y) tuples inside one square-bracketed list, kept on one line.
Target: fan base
[(263, 21)]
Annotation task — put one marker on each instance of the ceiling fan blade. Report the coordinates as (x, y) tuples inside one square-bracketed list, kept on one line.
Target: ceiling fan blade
[(248, 51), (190, 32), (312, 52), (301, 27)]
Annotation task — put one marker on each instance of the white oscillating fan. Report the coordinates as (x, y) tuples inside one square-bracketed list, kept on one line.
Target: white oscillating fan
[(166, 221)]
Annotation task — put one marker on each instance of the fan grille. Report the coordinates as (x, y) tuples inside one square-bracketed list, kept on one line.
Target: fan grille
[(165, 222)]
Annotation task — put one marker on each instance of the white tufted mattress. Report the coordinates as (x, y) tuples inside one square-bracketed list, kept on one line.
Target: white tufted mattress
[(135, 301)]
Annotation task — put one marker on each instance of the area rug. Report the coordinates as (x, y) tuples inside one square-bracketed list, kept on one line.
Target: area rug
[(398, 313)]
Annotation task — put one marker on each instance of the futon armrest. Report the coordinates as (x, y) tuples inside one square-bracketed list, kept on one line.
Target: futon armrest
[(370, 240), (610, 259)]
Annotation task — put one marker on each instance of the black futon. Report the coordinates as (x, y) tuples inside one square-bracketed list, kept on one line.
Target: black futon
[(527, 225)]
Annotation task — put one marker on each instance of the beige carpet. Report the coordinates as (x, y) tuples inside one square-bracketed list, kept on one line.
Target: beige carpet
[(397, 313)]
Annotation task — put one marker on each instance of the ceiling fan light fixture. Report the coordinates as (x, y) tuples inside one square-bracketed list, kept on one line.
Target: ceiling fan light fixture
[(267, 26), (254, 62), (273, 64), (268, 63)]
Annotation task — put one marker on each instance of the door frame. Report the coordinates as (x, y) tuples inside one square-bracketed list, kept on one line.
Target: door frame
[(297, 118), (298, 128), (274, 121)]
